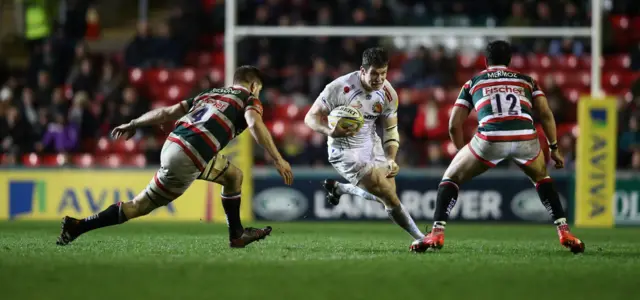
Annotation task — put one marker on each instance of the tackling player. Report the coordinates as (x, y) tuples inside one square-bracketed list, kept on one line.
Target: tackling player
[(205, 125), (367, 162), (505, 101)]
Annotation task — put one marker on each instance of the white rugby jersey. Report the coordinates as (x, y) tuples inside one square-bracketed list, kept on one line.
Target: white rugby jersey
[(347, 90)]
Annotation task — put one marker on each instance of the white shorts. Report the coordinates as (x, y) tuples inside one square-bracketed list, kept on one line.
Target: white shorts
[(177, 172), (492, 153), (354, 164)]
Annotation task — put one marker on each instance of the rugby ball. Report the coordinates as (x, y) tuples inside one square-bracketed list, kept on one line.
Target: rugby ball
[(346, 117)]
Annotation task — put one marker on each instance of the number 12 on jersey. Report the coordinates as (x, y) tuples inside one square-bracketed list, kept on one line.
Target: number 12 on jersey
[(502, 101)]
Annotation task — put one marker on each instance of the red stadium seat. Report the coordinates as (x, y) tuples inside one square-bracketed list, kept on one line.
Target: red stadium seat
[(110, 161), (611, 80), (83, 160), (439, 94), (448, 149), (31, 160), (54, 160), (545, 62), (565, 62), (157, 76), (217, 58), (518, 62), (103, 145), (395, 75), (559, 78), (465, 61), (135, 160), (573, 94), (217, 75), (536, 76), (617, 62), (277, 128), (125, 146), (185, 76), (136, 77), (302, 131), (452, 94), (397, 59)]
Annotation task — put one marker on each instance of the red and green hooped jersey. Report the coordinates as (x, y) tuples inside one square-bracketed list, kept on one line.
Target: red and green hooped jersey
[(503, 100), (213, 119)]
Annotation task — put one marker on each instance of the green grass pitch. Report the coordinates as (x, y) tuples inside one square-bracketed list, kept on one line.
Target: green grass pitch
[(315, 261)]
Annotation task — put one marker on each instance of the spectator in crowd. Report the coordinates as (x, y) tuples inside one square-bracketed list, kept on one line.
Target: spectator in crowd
[(567, 145), (319, 77), (140, 51), (168, 49), (435, 156), (635, 58), (629, 140), (44, 89), (59, 104), (635, 160), (81, 116), (414, 70), (17, 134), (86, 79), (81, 53), (28, 107), (60, 136), (110, 82)]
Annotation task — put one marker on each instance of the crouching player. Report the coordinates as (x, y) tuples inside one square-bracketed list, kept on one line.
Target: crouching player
[(505, 101), (366, 161), (205, 125)]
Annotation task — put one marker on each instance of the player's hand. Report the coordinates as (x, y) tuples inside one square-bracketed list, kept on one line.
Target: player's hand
[(125, 131), (285, 171), (393, 169), (557, 158), (340, 132)]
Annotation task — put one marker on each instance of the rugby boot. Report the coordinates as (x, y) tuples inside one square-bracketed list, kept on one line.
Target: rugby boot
[(250, 235), (569, 241), (332, 196), (433, 240), (70, 231)]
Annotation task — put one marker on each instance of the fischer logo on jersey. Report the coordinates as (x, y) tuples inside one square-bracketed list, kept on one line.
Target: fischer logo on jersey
[(503, 89)]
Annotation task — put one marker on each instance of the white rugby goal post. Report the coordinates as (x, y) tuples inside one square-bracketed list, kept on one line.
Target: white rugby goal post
[(233, 33)]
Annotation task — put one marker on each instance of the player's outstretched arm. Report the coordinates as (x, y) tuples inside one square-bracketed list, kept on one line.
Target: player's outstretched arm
[(154, 117), (456, 125), (541, 108), (263, 137)]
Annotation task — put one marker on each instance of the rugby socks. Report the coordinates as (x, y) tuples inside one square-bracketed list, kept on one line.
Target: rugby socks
[(402, 218), (551, 201), (347, 188), (231, 205), (445, 201), (112, 215), (550, 198)]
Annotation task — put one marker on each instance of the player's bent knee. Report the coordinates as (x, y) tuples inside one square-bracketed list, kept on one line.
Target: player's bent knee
[(231, 181), (377, 184)]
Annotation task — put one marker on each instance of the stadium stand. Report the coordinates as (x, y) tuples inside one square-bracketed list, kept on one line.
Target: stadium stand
[(60, 110)]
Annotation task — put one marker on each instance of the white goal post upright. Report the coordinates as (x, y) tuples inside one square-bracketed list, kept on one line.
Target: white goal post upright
[(233, 32)]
